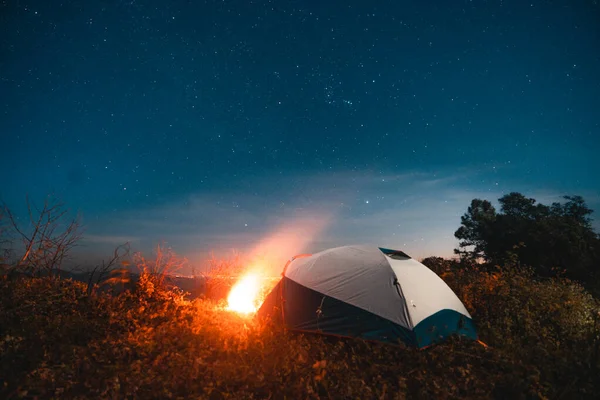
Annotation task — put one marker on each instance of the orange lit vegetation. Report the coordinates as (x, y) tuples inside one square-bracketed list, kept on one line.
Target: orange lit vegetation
[(58, 341), (166, 262), (221, 274)]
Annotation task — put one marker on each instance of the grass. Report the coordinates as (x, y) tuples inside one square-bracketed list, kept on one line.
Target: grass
[(58, 340)]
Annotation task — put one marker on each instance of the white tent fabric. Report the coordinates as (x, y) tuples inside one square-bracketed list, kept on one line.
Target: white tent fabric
[(403, 291), (425, 293)]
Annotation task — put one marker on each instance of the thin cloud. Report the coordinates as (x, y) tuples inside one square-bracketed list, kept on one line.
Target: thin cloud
[(415, 211)]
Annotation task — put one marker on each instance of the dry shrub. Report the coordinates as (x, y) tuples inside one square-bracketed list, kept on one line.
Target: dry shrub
[(42, 320), (221, 275), (166, 262), (150, 344), (56, 340), (552, 323)]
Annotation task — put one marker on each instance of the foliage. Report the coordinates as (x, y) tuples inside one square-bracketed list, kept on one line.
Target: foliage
[(476, 229), (439, 265), (553, 322), (59, 340), (554, 240), (165, 263)]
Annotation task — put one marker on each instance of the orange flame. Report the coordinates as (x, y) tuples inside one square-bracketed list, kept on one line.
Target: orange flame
[(274, 250), (243, 297)]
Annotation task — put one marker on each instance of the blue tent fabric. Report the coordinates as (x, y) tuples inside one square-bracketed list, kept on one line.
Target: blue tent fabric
[(307, 310), (441, 325)]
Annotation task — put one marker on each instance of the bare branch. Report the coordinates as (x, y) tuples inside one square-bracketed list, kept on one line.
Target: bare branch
[(13, 221), (100, 272), (51, 239)]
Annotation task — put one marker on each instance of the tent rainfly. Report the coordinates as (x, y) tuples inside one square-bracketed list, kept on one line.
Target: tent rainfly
[(367, 292)]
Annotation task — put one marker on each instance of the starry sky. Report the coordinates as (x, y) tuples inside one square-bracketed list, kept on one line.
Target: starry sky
[(289, 126)]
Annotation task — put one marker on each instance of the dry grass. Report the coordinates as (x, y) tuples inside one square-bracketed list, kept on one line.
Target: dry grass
[(57, 340)]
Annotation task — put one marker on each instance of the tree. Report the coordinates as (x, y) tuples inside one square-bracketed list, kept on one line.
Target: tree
[(516, 205), (438, 265), (575, 210), (476, 230), (552, 239), (47, 239)]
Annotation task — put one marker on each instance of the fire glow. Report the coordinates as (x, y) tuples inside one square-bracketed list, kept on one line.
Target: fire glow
[(243, 297), (288, 239)]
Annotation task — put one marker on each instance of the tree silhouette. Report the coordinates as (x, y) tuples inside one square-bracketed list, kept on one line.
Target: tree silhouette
[(47, 239), (476, 230), (556, 239)]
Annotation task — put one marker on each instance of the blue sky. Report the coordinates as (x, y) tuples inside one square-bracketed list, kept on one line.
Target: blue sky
[(216, 125)]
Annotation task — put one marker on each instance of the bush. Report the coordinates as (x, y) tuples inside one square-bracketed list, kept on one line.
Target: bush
[(553, 323), (221, 276), (58, 340)]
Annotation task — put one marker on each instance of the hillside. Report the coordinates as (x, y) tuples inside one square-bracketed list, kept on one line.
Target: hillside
[(57, 340)]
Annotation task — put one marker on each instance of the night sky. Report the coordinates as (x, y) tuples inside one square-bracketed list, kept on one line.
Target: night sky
[(294, 126)]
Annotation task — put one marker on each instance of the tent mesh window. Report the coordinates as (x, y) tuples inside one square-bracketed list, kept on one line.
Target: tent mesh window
[(396, 254)]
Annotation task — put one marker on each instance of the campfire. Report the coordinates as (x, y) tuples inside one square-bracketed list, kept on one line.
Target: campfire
[(244, 295), (270, 254)]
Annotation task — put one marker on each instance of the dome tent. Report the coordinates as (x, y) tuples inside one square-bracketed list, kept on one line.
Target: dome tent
[(367, 292)]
